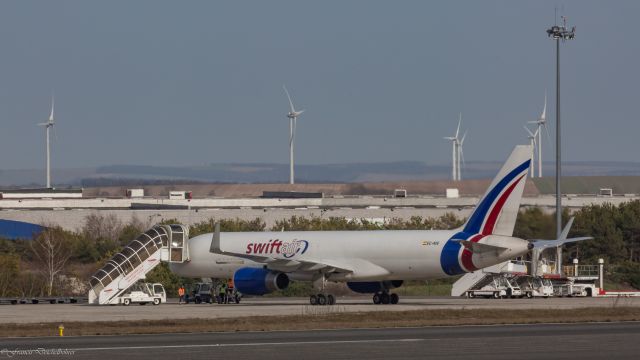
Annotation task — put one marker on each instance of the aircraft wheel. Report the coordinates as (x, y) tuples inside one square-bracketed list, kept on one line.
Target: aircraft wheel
[(384, 298), (331, 300), (126, 302), (376, 298), (322, 300), (394, 298), (313, 300), (156, 301)]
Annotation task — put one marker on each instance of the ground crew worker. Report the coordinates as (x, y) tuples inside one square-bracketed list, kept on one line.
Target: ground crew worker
[(181, 294), (229, 290), (212, 294), (222, 293)]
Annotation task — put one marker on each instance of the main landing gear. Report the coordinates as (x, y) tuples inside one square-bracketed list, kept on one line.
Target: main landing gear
[(385, 298), (322, 299)]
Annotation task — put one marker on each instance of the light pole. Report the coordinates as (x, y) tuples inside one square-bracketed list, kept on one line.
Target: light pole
[(558, 33)]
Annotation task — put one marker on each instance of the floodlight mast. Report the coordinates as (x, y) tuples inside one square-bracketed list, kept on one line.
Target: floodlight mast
[(558, 33)]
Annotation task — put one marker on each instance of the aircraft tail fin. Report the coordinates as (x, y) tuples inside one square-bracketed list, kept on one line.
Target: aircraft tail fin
[(497, 210)]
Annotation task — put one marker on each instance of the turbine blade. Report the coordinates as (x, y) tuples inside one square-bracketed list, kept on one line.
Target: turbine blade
[(289, 97), (547, 131), (458, 128), (528, 131), (462, 141), (52, 104), (543, 117)]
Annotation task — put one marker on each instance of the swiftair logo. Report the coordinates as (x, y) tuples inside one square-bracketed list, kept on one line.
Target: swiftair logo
[(288, 249)]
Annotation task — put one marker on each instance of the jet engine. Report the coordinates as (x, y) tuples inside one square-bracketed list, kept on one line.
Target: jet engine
[(257, 281)]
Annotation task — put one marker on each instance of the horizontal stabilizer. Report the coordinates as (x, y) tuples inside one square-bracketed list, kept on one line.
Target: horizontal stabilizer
[(544, 244), (478, 248)]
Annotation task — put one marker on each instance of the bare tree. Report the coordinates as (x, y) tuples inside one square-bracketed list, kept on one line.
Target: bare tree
[(9, 270), (51, 251), (102, 226)]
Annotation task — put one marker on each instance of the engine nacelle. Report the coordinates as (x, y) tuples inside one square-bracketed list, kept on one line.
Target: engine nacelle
[(257, 281), (371, 287)]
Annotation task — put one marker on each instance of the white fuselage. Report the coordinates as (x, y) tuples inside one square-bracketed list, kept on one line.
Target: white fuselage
[(369, 255)]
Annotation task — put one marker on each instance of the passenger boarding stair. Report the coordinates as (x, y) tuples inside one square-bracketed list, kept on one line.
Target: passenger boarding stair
[(482, 277), (136, 260)]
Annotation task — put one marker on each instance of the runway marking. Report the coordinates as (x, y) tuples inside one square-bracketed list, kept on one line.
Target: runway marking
[(252, 344)]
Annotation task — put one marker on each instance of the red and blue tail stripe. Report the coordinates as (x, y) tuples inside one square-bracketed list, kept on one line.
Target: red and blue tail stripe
[(455, 259)]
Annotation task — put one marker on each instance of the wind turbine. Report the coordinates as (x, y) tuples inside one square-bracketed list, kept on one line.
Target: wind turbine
[(533, 138), (455, 157), (49, 124), (293, 119), (541, 123)]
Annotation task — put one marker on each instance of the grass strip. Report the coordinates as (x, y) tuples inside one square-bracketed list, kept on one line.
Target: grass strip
[(328, 318)]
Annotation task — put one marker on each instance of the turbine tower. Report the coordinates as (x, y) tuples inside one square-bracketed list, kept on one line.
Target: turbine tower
[(461, 155), (48, 125), (541, 123), (293, 119), (533, 138), (455, 157)]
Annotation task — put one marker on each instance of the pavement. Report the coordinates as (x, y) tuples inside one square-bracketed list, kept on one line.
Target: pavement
[(546, 341), (29, 313)]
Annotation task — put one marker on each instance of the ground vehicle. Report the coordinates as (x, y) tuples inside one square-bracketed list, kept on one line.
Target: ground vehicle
[(498, 287), (576, 289), (200, 293), (536, 286), (144, 293)]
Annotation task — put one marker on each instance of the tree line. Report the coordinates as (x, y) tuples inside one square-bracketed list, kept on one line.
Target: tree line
[(60, 262)]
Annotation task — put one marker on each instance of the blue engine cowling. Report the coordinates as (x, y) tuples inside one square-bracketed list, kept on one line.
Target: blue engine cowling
[(371, 287), (257, 281)]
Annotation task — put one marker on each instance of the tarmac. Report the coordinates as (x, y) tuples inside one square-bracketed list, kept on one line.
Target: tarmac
[(29, 313), (543, 341)]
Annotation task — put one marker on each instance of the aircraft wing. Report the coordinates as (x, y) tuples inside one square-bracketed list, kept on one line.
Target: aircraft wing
[(281, 264)]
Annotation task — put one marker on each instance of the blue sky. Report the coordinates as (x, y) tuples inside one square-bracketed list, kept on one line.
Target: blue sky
[(199, 82)]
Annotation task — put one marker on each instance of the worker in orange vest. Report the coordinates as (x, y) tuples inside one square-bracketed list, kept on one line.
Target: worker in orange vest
[(181, 294)]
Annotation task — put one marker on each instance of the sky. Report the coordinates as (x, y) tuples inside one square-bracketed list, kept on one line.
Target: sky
[(200, 82)]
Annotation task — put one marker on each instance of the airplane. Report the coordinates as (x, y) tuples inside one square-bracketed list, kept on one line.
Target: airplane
[(371, 262)]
